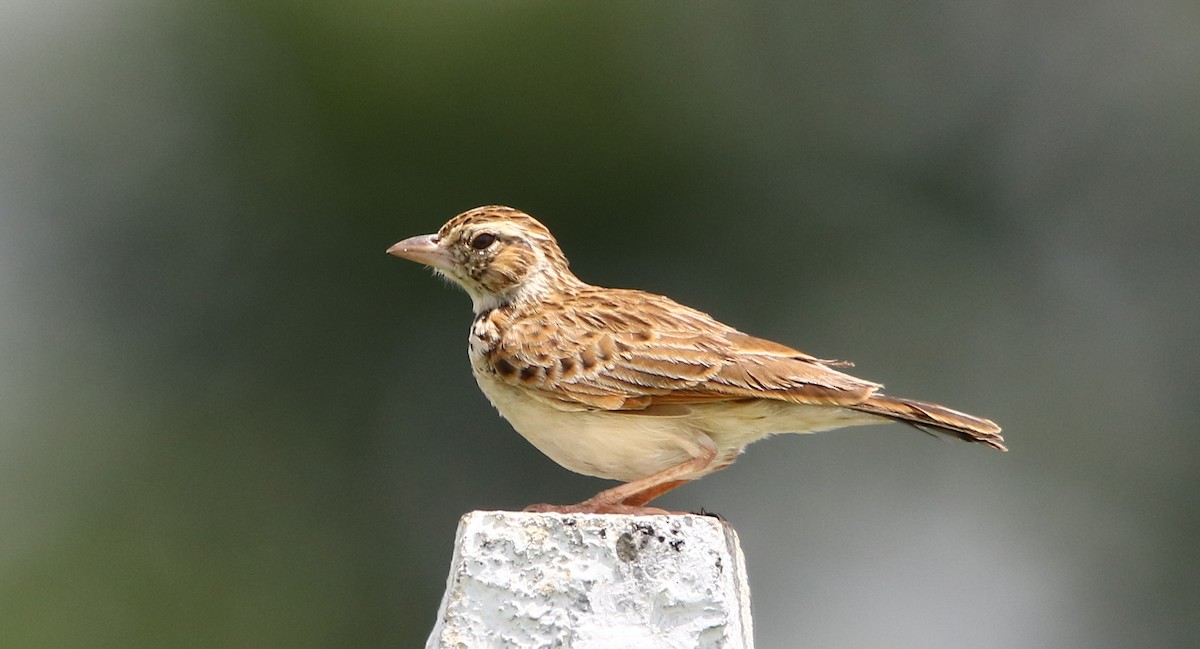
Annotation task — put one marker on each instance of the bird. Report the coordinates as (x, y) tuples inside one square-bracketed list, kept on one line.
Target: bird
[(632, 386)]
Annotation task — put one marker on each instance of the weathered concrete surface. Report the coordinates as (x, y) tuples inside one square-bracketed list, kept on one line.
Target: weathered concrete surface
[(587, 581)]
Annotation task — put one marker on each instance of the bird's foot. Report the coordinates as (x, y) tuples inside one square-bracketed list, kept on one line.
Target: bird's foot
[(597, 507), (705, 512)]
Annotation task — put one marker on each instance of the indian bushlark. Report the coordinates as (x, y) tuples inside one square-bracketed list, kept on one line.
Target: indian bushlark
[(633, 386)]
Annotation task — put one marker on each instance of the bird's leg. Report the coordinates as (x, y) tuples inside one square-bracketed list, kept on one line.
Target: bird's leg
[(641, 498), (631, 497)]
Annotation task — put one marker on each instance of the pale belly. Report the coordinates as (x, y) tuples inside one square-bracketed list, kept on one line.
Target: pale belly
[(627, 445)]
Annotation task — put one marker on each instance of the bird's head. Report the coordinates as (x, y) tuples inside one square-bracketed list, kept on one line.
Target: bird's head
[(499, 255)]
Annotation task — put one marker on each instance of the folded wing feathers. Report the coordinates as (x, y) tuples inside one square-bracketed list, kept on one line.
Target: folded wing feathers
[(604, 357)]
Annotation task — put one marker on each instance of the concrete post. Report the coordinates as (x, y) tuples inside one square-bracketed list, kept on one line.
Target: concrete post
[(588, 581)]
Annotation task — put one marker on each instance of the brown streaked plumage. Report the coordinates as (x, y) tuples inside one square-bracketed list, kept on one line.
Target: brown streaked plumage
[(633, 386)]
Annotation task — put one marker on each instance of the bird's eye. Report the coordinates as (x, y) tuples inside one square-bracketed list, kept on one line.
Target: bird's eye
[(482, 241)]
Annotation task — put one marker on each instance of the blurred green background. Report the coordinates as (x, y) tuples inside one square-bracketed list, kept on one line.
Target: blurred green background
[(228, 419)]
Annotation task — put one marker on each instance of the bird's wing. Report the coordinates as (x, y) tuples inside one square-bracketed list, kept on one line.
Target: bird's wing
[(629, 350)]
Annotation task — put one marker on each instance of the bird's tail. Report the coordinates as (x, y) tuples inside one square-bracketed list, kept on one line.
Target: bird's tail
[(932, 418)]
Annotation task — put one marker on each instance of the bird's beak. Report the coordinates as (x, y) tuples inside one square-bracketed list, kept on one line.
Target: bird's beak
[(422, 249)]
